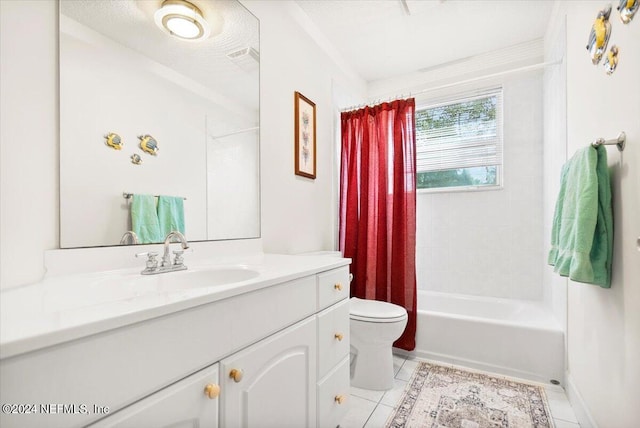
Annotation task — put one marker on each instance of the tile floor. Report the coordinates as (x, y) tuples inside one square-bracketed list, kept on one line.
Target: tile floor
[(371, 409)]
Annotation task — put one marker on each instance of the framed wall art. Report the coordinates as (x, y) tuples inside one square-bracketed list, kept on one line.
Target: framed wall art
[(305, 136)]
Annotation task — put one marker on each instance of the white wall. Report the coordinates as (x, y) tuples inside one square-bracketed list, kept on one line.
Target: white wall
[(297, 213), (604, 324), (28, 138)]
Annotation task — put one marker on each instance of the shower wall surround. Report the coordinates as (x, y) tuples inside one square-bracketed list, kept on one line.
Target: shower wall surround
[(489, 243)]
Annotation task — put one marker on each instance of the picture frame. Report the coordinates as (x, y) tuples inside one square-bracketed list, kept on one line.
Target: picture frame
[(305, 136)]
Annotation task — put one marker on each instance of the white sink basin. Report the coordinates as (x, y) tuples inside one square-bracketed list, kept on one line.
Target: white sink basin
[(114, 287), (189, 279), (196, 278)]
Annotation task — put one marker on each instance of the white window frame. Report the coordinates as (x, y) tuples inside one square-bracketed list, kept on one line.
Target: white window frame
[(462, 97)]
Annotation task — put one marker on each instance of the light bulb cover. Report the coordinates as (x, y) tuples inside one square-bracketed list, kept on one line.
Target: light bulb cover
[(183, 20)]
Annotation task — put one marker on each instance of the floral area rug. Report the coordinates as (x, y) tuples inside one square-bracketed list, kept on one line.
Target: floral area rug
[(449, 397)]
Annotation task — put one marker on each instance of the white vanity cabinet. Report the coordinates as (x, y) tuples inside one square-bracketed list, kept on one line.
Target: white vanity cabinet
[(279, 355), (192, 402)]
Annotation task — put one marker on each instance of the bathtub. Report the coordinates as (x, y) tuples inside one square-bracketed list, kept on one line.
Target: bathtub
[(513, 337)]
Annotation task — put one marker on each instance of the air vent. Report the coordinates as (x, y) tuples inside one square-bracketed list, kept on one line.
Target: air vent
[(247, 58)]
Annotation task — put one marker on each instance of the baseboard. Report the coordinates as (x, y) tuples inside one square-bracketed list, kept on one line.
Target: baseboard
[(472, 364), (577, 402)]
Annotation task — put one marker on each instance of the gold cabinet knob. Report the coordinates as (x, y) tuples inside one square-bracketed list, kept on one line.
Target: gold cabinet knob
[(338, 286), (340, 398), (338, 336), (212, 390), (236, 375)]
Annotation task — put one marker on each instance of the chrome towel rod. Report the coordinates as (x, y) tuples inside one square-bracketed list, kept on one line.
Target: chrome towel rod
[(129, 195), (620, 141)]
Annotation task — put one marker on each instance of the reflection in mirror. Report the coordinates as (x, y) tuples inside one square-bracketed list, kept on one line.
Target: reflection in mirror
[(186, 113)]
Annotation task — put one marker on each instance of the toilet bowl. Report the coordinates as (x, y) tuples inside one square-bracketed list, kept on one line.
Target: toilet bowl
[(374, 326)]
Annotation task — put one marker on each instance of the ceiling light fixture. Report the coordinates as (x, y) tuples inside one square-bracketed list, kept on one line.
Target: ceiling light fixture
[(182, 19)]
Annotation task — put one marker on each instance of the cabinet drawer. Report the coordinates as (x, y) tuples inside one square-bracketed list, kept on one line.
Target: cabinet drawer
[(190, 402), (333, 336), (333, 286), (333, 396)]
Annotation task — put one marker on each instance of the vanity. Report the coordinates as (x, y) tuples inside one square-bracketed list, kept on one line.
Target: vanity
[(267, 344)]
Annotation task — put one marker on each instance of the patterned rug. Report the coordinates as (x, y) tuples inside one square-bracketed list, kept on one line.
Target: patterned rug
[(449, 397)]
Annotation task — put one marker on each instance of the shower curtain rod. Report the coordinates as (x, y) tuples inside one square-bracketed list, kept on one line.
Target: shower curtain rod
[(463, 82)]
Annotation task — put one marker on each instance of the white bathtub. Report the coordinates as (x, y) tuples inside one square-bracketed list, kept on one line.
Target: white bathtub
[(513, 337)]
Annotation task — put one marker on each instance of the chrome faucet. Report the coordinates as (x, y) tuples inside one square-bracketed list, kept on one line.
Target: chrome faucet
[(166, 258), (165, 265), (129, 234)]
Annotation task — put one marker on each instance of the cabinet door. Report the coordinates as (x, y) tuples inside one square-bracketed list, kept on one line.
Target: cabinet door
[(191, 402), (272, 384)]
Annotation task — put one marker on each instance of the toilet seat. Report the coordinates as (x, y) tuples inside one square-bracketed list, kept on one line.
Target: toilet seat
[(375, 311)]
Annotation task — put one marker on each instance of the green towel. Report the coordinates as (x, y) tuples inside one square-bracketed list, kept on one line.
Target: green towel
[(144, 219), (582, 233), (171, 214)]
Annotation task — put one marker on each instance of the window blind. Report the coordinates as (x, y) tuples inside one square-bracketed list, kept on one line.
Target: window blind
[(461, 133)]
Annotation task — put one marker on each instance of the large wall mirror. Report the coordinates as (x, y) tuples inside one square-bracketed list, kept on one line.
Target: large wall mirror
[(124, 76)]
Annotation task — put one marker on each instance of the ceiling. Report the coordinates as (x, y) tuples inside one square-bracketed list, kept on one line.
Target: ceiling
[(388, 38)]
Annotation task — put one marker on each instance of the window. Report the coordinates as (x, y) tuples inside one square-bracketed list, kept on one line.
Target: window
[(459, 143)]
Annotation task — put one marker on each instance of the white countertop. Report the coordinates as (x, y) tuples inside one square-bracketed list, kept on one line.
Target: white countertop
[(68, 307)]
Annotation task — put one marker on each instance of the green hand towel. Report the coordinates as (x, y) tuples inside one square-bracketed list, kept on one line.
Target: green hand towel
[(171, 214), (582, 232), (144, 219)]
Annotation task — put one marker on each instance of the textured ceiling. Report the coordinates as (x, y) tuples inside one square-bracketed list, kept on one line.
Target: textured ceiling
[(130, 23), (380, 39)]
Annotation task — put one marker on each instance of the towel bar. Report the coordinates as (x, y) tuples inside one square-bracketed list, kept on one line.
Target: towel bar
[(129, 195), (620, 141)]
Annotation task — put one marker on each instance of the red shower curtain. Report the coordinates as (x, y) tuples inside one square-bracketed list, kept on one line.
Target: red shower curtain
[(378, 205)]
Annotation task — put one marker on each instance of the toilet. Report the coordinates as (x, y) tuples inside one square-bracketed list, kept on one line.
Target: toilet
[(374, 326)]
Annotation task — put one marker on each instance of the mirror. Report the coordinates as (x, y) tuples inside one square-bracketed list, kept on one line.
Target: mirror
[(123, 79)]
